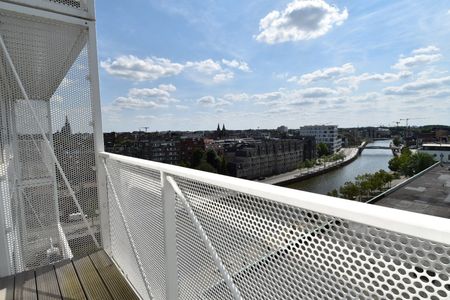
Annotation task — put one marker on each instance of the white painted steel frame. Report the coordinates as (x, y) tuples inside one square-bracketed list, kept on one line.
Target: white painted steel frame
[(169, 198), (419, 225), (86, 10), (86, 18)]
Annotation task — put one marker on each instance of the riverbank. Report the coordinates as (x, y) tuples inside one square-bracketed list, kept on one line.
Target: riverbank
[(301, 174)]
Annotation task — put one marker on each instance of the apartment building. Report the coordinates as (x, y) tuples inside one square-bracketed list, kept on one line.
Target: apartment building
[(327, 134)]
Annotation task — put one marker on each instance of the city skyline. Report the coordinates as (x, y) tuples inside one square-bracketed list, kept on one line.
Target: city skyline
[(264, 64)]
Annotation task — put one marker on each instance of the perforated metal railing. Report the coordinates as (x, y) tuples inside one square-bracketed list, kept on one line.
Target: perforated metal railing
[(181, 233), (48, 188)]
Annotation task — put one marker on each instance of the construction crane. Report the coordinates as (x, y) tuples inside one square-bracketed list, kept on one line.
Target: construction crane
[(145, 127), (407, 119)]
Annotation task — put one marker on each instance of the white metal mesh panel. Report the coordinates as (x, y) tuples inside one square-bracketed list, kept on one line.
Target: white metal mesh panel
[(139, 192), (197, 272), (51, 60), (273, 250), (308, 255)]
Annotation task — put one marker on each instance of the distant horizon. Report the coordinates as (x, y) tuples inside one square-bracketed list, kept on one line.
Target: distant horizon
[(186, 65), (289, 128)]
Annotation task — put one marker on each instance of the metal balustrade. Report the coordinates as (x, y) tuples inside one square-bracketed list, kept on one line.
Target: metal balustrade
[(187, 234), (176, 233)]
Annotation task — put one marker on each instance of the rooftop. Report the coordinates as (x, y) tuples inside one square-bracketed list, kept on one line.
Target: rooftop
[(428, 193)]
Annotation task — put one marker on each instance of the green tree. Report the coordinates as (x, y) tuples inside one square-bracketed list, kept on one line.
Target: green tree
[(223, 166), (394, 164), (349, 190), (416, 163), (322, 149), (213, 159), (197, 156), (409, 164), (396, 141), (333, 193)]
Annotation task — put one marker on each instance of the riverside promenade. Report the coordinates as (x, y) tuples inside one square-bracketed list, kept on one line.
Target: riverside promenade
[(305, 173)]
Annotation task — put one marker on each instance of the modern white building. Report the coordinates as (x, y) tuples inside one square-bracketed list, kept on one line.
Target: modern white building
[(327, 134), (440, 152)]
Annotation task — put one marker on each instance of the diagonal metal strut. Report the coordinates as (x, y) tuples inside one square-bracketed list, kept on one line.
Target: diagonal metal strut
[(47, 142), (212, 251)]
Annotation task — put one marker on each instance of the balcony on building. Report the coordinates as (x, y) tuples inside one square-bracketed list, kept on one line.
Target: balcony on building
[(80, 223)]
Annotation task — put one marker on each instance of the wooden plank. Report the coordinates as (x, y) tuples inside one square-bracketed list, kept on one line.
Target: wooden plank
[(112, 277), (90, 280), (69, 284), (7, 288), (25, 286), (47, 284)]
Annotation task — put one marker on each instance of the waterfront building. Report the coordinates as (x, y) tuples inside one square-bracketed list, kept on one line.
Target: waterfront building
[(261, 158), (327, 134), (440, 152)]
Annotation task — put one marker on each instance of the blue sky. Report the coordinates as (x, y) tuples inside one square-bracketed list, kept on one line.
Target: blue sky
[(189, 64)]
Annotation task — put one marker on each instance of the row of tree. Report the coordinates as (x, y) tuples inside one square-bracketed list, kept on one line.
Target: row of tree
[(409, 164), (364, 186), (208, 161)]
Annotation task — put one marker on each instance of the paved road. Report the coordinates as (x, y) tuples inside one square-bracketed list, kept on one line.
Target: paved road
[(348, 152)]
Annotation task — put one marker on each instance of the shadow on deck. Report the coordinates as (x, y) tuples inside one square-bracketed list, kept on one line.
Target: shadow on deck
[(91, 277)]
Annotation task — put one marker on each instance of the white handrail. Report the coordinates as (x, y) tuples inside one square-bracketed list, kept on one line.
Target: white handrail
[(414, 224)]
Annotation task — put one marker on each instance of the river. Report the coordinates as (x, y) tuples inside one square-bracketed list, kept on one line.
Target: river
[(370, 161)]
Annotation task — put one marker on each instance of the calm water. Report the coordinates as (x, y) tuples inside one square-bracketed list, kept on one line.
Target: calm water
[(370, 161)]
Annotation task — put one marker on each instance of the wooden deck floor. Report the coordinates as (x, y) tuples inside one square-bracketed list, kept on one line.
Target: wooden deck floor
[(91, 277)]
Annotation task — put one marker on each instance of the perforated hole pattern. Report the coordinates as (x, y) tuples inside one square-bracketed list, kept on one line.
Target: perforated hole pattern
[(277, 251), (51, 59)]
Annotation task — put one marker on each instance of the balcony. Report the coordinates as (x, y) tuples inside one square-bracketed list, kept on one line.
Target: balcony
[(174, 233)]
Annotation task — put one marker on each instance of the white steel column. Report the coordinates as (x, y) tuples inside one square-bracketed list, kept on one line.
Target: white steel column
[(170, 233), (102, 192)]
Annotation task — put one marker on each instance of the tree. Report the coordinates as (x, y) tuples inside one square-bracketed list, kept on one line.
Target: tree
[(349, 190), (322, 149), (197, 156), (409, 164), (333, 193), (417, 163), (394, 164), (213, 159), (396, 141)]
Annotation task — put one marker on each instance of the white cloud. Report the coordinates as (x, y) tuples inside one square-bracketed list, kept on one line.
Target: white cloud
[(210, 101), (206, 100), (354, 81), (153, 68), (138, 98), (420, 56), (300, 20), (207, 71), (318, 92), (224, 76), (417, 86), (236, 97), (426, 50), (240, 65), (137, 69), (323, 74)]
